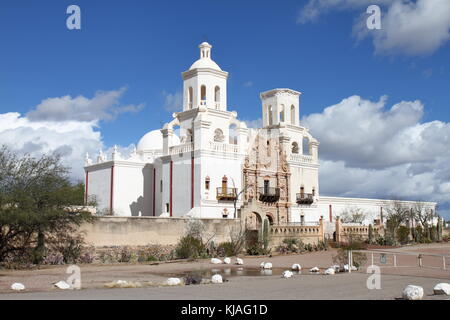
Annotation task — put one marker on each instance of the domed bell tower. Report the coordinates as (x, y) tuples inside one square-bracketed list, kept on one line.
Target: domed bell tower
[(205, 84)]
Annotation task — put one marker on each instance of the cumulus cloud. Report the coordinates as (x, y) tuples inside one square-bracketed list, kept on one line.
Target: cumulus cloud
[(173, 101), (65, 125), (368, 149), (103, 106), (409, 27), (71, 139)]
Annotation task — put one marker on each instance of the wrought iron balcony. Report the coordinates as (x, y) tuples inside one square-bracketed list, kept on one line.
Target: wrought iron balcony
[(305, 198), (227, 194), (269, 194)]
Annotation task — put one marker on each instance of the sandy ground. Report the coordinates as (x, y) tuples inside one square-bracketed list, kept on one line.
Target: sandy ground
[(39, 283)]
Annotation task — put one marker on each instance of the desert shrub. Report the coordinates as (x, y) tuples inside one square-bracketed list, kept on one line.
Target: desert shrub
[(125, 254), (309, 247), (322, 245), (87, 255), (69, 247), (258, 249), (403, 234), (190, 247), (226, 249), (290, 245), (54, 258)]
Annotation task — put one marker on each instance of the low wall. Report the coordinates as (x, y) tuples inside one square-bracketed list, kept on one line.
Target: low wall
[(308, 234), (345, 231), (140, 231)]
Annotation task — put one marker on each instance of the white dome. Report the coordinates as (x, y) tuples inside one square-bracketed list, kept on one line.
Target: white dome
[(153, 140), (205, 60), (205, 63)]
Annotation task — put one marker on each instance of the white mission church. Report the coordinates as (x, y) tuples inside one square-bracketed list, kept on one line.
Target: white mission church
[(216, 167)]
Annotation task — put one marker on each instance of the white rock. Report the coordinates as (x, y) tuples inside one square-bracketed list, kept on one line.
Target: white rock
[(330, 271), (239, 261), (287, 274), (227, 260), (216, 261), (63, 285), (336, 267), (296, 267), (413, 293), (268, 265), (442, 288), (173, 281), (121, 282), (315, 269), (217, 278), (353, 268), (17, 286)]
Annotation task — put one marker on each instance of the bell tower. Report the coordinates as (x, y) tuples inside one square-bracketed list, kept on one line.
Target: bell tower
[(280, 107), (205, 84)]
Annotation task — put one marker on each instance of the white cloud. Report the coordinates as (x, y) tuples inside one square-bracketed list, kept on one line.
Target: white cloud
[(72, 139), (65, 125), (248, 84), (409, 27), (103, 106), (173, 102), (254, 124), (370, 150)]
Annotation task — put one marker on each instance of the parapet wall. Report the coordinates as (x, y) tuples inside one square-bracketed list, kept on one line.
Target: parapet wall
[(141, 231)]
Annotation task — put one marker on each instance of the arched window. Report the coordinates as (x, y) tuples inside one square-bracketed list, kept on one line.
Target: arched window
[(207, 183), (306, 146), (189, 137), (282, 113), (217, 96), (203, 95), (270, 115), (294, 147), (190, 98), (218, 135), (292, 114)]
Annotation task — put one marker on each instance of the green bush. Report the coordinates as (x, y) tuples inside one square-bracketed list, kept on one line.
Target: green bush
[(403, 234), (226, 249), (190, 247), (258, 249)]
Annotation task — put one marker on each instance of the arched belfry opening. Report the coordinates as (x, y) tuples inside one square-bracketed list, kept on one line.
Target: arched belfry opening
[(217, 97)]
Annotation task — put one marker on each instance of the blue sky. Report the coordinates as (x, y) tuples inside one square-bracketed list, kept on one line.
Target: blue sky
[(138, 49)]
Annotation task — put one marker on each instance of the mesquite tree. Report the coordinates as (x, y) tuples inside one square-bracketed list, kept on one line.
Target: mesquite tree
[(37, 202)]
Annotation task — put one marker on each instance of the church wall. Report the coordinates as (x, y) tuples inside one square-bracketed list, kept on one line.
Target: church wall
[(181, 189), (129, 197), (99, 185), (216, 168), (140, 231)]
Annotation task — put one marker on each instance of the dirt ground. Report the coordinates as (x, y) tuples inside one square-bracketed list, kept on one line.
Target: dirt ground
[(39, 283)]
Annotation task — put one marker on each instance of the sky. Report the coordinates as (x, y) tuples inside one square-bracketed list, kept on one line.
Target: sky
[(377, 100)]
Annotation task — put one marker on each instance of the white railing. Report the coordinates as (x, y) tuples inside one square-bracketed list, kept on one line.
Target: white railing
[(182, 148), (223, 147), (301, 158)]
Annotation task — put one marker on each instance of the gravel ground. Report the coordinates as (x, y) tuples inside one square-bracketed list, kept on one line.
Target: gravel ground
[(340, 286)]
